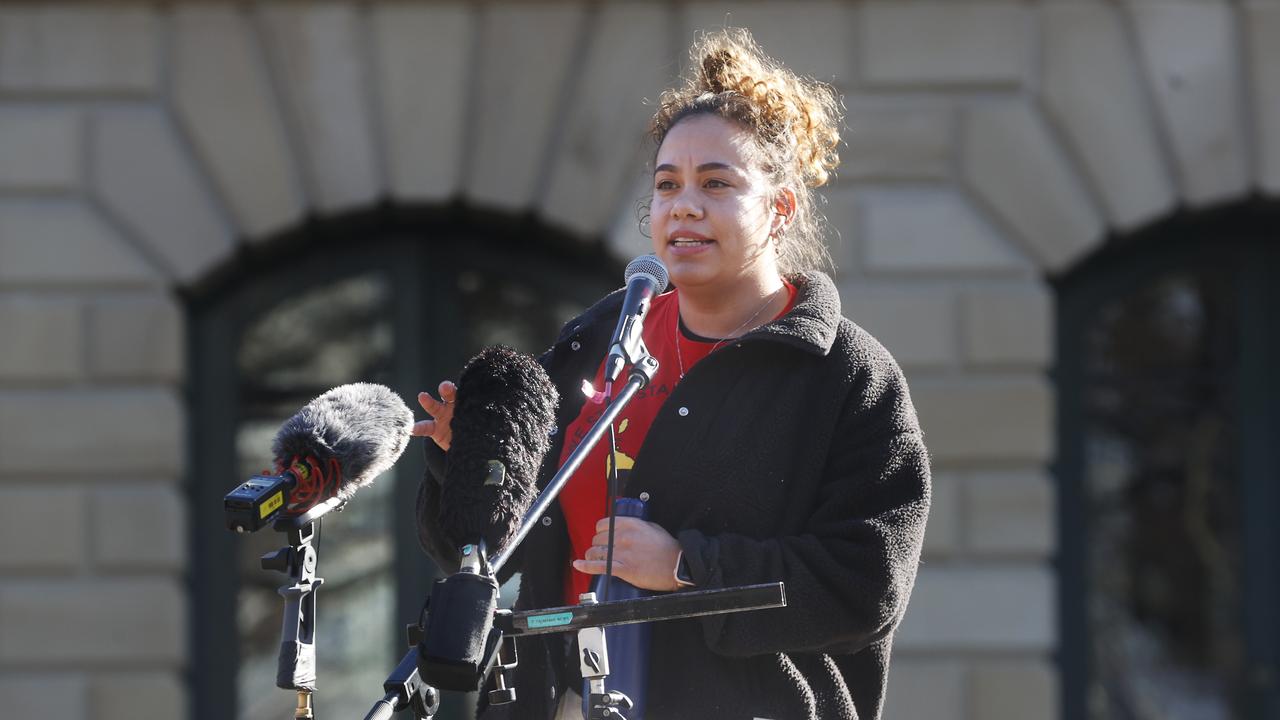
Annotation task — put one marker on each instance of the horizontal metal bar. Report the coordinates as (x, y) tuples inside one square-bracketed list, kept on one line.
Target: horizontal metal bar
[(670, 606)]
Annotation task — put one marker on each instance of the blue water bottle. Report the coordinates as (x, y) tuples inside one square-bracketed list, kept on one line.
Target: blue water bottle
[(628, 645)]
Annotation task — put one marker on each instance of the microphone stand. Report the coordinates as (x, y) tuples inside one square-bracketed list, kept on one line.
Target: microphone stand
[(405, 687), (296, 663), (590, 618), (403, 681)]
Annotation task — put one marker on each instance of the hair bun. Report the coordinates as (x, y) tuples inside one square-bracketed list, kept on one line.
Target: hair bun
[(718, 72), (786, 108)]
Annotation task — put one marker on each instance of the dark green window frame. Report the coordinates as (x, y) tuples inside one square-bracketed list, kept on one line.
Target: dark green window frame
[(1244, 238), (423, 251)]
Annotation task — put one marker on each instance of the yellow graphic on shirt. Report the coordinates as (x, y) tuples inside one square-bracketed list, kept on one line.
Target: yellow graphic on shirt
[(625, 462)]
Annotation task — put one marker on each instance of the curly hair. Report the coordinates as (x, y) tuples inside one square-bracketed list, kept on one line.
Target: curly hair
[(794, 122)]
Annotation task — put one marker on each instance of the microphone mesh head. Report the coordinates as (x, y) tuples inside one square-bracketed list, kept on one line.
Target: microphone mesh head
[(647, 265)]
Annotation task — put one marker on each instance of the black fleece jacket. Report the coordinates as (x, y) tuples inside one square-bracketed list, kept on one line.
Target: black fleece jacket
[(793, 455)]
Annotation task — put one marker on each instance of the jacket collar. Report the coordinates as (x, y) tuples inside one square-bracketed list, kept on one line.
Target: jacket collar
[(814, 319), (811, 325)]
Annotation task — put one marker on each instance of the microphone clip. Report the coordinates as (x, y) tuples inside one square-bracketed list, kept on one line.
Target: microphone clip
[(459, 642), (474, 559), (644, 369), (630, 350)]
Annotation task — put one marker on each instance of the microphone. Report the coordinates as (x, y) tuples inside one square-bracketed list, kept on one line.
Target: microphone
[(645, 277), (502, 421), (501, 426), (335, 445)]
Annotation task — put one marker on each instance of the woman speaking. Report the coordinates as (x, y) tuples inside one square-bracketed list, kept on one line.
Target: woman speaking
[(776, 443)]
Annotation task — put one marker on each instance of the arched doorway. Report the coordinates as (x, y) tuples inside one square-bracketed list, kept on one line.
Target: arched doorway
[(397, 297), (1168, 413)]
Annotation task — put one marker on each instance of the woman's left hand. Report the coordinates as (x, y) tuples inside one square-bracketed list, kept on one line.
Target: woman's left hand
[(643, 553)]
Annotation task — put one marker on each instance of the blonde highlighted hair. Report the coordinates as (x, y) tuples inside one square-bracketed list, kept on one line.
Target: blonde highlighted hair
[(794, 121)]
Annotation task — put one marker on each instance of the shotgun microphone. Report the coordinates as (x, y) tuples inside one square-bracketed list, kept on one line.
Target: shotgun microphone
[(335, 445), (501, 429), (502, 426)]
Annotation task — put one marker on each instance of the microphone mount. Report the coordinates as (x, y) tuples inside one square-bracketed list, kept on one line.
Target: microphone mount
[(299, 559), (629, 350)]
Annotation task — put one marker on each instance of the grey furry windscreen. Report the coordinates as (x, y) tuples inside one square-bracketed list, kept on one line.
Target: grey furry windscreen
[(364, 426)]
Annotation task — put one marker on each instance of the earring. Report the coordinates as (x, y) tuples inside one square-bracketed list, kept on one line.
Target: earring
[(778, 229)]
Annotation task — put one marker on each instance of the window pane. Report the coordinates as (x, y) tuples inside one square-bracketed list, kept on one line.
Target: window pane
[(314, 341), (506, 310), (1163, 503)]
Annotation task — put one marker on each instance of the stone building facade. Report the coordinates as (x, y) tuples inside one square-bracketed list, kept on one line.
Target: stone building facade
[(991, 146)]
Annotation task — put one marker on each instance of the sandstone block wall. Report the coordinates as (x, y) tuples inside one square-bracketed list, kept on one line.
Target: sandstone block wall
[(991, 145)]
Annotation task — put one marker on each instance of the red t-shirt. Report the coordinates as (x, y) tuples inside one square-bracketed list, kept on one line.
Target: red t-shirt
[(585, 496)]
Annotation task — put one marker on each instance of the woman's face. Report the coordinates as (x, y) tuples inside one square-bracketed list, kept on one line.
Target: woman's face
[(712, 211)]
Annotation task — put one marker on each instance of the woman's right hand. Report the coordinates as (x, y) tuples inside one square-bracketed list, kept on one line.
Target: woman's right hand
[(437, 428)]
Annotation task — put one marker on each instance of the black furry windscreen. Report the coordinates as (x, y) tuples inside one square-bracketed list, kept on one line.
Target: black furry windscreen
[(505, 413)]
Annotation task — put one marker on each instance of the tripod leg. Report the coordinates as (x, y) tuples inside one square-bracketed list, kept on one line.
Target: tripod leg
[(383, 709)]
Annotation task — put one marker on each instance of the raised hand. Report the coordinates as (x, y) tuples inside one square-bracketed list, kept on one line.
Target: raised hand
[(438, 427)]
